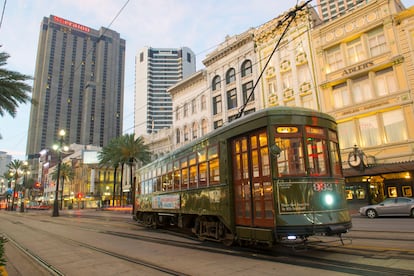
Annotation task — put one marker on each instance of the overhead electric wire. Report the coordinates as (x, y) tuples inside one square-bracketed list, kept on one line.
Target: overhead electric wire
[(2, 13), (291, 15)]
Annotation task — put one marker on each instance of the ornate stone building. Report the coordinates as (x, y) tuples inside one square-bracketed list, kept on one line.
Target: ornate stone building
[(231, 75), (288, 78), (362, 75)]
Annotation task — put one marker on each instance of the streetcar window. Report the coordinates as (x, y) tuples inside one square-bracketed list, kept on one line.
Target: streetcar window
[(214, 177), (184, 173), (212, 152), (202, 174), (202, 168), (213, 165), (176, 179), (316, 146), (254, 156), (290, 161), (193, 170), (264, 154), (164, 178), (334, 156), (159, 180), (316, 156), (169, 177)]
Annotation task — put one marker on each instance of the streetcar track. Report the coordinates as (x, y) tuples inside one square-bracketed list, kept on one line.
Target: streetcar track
[(67, 240), (50, 268), (292, 257)]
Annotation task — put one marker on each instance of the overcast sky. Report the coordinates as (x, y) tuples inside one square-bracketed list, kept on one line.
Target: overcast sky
[(198, 24)]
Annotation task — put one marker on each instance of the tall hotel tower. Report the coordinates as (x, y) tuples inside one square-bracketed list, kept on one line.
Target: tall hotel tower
[(78, 85), (157, 69), (330, 9)]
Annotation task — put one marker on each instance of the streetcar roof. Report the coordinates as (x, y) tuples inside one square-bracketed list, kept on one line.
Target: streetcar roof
[(268, 112)]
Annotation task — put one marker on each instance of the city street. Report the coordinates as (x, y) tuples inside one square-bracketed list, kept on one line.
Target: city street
[(90, 242)]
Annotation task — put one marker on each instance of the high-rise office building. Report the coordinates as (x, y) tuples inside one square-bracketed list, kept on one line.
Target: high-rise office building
[(156, 70), (78, 85), (330, 9)]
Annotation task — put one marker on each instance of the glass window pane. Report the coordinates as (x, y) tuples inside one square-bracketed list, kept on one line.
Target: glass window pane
[(370, 135), (394, 125), (212, 152), (290, 160), (347, 135), (214, 172), (202, 177)]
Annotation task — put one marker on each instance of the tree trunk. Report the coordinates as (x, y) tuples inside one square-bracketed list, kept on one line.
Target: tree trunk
[(113, 194), (121, 192)]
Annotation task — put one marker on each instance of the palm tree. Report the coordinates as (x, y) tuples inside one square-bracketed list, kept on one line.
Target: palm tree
[(15, 171), (13, 89), (133, 151), (108, 156), (66, 173), (125, 150)]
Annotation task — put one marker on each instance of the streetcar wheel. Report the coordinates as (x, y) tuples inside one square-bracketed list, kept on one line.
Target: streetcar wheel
[(228, 242), (149, 221), (371, 213)]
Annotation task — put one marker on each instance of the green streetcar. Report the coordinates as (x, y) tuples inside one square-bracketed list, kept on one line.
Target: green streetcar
[(271, 176)]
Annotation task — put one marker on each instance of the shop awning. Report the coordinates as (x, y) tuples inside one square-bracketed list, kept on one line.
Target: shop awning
[(381, 169)]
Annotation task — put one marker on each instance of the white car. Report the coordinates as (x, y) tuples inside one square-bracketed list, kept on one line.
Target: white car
[(395, 206)]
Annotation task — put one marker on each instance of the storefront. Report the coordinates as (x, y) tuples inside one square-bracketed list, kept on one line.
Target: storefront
[(373, 184)]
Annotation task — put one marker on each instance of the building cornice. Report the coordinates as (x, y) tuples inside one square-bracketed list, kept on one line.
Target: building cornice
[(195, 78), (228, 47)]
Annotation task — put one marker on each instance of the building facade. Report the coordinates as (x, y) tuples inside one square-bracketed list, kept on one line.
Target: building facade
[(286, 59), (231, 74), (78, 85), (362, 66), (5, 159), (156, 70), (191, 109), (357, 67)]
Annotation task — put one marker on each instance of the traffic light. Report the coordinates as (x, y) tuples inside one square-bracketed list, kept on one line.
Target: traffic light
[(79, 195), (37, 185)]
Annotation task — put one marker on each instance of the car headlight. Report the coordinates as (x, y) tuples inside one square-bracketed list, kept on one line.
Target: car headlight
[(329, 199)]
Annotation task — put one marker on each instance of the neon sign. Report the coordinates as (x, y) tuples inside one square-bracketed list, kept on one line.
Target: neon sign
[(71, 24)]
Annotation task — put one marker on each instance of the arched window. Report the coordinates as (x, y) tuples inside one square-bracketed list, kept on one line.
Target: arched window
[(230, 76), (246, 68), (203, 127), (195, 130), (216, 84)]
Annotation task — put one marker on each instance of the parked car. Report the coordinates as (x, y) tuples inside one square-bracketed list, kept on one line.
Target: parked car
[(395, 206)]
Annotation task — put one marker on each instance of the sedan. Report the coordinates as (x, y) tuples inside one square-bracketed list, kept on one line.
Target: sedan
[(396, 206)]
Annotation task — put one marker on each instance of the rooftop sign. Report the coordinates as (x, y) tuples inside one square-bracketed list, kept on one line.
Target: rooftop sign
[(71, 24)]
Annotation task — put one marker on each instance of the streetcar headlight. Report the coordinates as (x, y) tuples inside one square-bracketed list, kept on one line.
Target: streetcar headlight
[(329, 200)]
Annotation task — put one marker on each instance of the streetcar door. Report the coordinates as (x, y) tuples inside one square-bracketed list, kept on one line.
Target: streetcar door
[(252, 182)]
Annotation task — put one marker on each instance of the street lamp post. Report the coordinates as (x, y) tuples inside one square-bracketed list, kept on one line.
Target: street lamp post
[(59, 149), (13, 174), (25, 173)]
